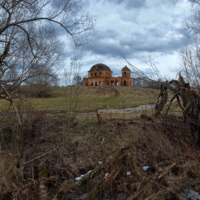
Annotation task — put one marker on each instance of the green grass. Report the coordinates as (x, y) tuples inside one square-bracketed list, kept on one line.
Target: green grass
[(88, 98)]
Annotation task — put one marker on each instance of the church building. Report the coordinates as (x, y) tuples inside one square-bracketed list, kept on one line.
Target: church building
[(101, 75)]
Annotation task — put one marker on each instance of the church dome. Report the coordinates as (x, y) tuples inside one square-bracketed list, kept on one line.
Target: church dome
[(126, 69), (99, 67)]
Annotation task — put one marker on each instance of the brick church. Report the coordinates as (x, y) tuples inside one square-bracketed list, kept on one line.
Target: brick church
[(101, 75)]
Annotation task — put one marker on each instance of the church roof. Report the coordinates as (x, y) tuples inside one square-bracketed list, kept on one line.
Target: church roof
[(126, 69), (99, 67)]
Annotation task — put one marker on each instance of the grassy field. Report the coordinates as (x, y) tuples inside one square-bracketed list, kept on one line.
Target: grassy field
[(89, 98)]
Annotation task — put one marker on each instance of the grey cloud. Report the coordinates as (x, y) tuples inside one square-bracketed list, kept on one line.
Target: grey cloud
[(163, 37), (167, 2), (135, 4), (103, 49), (154, 39), (109, 33), (129, 4), (173, 2)]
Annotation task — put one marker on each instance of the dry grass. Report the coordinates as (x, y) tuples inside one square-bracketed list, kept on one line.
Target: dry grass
[(42, 159)]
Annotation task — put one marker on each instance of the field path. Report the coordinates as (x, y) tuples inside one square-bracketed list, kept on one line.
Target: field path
[(127, 110)]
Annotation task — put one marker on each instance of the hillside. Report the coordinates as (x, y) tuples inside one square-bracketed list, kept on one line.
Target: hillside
[(87, 98)]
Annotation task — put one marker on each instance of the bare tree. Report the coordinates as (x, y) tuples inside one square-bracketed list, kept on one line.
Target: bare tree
[(190, 54), (28, 35), (193, 22), (39, 84), (77, 80), (45, 77), (190, 62), (150, 77)]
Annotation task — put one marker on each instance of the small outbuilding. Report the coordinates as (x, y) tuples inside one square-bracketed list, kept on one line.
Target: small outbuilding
[(101, 75)]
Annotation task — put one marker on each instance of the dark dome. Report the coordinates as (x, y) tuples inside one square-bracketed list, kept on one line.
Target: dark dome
[(126, 69), (99, 67)]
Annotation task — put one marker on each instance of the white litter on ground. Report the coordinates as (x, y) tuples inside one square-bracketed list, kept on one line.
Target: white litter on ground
[(100, 162), (81, 176), (78, 178), (105, 175), (88, 172), (145, 168), (128, 173)]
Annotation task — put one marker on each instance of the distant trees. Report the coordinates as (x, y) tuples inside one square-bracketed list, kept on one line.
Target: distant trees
[(77, 80), (145, 82), (193, 22), (42, 78), (42, 75), (190, 54), (28, 35)]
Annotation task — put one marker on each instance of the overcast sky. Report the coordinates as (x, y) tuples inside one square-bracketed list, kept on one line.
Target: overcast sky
[(136, 29)]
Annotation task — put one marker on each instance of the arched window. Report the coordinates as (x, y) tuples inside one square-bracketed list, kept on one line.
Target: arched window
[(92, 84), (124, 73), (91, 74), (124, 82), (95, 74)]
